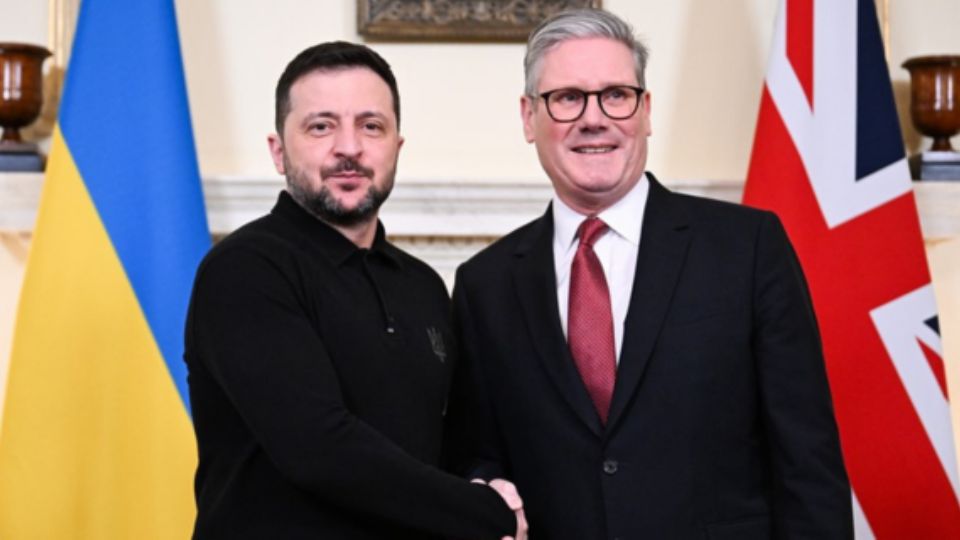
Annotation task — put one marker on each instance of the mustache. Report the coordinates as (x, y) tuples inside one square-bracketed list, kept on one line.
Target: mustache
[(346, 165)]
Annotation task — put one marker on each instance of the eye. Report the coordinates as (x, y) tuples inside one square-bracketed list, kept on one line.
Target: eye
[(374, 127), (616, 93), (567, 97), (319, 127)]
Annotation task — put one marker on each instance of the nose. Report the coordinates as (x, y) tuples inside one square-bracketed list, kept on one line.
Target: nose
[(348, 142), (593, 117)]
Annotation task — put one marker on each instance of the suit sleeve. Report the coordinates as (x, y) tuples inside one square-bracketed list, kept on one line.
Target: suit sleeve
[(473, 446), (812, 497), (260, 347)]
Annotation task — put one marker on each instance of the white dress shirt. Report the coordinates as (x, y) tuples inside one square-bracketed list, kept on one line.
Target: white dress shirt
[(616, 248)]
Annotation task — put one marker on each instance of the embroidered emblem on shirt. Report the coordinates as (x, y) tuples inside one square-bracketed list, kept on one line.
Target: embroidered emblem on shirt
[(436, 343)]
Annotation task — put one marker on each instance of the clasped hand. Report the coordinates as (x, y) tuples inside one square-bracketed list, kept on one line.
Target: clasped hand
[(508, 492)]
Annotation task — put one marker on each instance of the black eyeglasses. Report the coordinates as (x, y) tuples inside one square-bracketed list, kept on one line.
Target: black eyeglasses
[(568, 104)]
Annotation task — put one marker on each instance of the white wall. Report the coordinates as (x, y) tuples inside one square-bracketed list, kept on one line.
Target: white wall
[(24, 21), (461, 101)]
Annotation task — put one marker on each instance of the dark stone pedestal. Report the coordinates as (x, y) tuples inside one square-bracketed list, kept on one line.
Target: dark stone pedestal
[(935, 166), (20, 157), (21, 162)]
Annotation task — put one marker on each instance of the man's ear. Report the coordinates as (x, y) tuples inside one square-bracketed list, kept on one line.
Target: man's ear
[(645, 104), (526, 114), (275, 143)]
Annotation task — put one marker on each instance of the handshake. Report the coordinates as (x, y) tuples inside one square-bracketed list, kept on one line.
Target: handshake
[(508, 491)]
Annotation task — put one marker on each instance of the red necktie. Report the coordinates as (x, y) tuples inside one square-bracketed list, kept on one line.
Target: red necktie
[(590, 319)]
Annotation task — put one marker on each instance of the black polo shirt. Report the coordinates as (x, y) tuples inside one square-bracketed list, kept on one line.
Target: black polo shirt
[(318, 378)]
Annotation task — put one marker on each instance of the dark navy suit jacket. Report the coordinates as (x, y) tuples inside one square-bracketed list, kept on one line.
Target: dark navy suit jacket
[(721, 424)]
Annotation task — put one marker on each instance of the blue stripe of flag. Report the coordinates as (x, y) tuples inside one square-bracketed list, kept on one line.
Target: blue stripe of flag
[(878, 129), (126, 120)]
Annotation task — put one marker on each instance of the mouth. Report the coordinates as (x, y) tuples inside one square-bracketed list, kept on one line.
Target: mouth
[(346, 169), (594, 149), (347, 181)]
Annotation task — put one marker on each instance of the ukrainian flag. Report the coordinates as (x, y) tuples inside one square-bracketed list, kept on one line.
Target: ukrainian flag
[(96, 440)]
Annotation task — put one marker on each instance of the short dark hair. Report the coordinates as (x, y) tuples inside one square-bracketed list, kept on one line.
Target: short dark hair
[(329, 56)]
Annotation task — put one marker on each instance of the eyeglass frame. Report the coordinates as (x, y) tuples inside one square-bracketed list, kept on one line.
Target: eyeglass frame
[(586, 97)]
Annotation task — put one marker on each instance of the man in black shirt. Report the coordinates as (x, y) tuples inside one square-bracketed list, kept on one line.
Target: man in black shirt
[(319, 354)]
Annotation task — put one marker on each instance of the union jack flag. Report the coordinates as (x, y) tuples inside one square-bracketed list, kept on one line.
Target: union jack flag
[(828, 158)]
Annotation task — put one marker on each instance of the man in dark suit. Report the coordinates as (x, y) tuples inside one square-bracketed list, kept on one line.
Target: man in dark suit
[(641, 364)]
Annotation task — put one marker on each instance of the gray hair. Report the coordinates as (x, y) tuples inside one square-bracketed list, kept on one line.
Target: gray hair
[(576, 24)]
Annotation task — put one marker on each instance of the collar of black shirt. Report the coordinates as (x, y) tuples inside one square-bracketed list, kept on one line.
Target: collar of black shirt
[(335, 245)]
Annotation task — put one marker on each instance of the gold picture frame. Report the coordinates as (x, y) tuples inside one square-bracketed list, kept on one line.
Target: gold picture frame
[(457, 20)]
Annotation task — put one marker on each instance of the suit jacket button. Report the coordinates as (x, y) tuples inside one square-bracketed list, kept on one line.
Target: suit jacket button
[(610, 466)]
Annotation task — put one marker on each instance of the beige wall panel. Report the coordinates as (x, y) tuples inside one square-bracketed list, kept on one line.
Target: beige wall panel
[(461, 101), (24, 21)]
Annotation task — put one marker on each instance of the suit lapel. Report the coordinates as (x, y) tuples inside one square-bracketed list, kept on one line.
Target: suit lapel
[(535, 283), (663, 247)]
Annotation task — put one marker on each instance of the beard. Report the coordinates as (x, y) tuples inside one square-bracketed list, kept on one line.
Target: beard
[(322, 203)]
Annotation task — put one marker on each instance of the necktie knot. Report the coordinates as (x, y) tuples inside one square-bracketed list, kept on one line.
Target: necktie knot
[(590, 231)]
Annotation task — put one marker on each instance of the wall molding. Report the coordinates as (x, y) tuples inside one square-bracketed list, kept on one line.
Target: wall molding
[(442, 221), (456, 207)]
